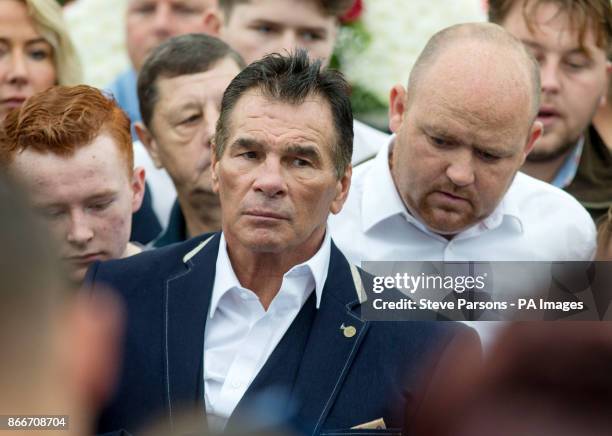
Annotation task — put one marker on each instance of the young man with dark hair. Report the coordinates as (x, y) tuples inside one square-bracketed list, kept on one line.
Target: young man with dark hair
[(572, 40)]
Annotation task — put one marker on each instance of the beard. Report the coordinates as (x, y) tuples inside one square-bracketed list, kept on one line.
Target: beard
[(546, 155)]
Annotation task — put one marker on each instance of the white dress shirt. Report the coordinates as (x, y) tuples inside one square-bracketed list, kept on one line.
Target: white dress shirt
[(240, 334), (534, 221)]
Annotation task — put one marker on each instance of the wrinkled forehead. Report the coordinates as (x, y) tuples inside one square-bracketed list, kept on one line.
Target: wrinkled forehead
[(256, 114), (194, 88)]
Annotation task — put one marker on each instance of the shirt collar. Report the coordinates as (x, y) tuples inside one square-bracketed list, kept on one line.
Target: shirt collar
[(225, 277), (567, 172), (380, 199)]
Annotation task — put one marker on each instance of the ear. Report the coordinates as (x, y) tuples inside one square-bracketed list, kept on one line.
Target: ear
[(397, 107), (212, 21), (149, 143), (342, 190), (138, 188), (214, 164), (90, 346), (535, 133)]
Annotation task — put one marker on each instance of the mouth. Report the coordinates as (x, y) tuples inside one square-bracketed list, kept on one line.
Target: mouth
[(84, 259), (451, 198), (548, 115), (266, 215), (13, 102)]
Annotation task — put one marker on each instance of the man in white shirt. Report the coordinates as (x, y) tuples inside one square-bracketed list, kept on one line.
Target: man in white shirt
[(268, 308), (447, 188)]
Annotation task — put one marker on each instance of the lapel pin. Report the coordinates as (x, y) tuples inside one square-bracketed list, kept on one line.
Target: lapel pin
[(349, 331)]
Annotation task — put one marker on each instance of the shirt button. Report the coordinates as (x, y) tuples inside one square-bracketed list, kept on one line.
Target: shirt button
[(244, 295), (236, 384)]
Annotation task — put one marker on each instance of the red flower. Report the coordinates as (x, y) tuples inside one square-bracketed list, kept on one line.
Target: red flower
[(354, 13)]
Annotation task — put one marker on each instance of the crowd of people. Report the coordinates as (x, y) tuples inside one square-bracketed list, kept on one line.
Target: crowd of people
[(181, 251)]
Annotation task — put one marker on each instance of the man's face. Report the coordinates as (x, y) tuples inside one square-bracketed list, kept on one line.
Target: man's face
[(573, 78), (150, 22), (276, 178), (259, 27), (87, 199), (459, 143), (183, 126)]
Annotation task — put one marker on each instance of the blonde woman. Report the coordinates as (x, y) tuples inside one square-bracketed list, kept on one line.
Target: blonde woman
[(35, 51)]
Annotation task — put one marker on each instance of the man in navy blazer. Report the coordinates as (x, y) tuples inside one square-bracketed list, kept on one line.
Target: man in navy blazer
[(260, 325)]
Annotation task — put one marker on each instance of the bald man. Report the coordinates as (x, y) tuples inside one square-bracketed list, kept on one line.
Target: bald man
[(447, 186)]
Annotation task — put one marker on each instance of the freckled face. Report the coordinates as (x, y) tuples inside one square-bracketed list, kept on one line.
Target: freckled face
[(87, 200), (276, 179)]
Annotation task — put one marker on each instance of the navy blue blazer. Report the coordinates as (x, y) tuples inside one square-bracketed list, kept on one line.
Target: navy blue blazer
[(332, 381)]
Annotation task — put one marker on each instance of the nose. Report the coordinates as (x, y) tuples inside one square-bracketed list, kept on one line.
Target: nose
[(80, 231), (289, 41), (460, 170), (162, 20), (270, 179), (549, 76), (18, 70)]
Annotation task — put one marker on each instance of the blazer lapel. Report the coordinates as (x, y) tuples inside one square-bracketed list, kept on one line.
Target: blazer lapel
[(336, 335), (186, 303)]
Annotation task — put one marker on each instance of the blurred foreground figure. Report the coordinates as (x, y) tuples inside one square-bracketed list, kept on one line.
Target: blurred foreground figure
[(59, 350), (71, 147), (541, 379)]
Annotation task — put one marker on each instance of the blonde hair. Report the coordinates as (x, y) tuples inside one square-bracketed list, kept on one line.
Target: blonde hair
[(49, 22)]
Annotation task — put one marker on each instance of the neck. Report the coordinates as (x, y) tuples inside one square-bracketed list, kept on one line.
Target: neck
[(263, 273), (545, 170), (201, 216), (603, 124)]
